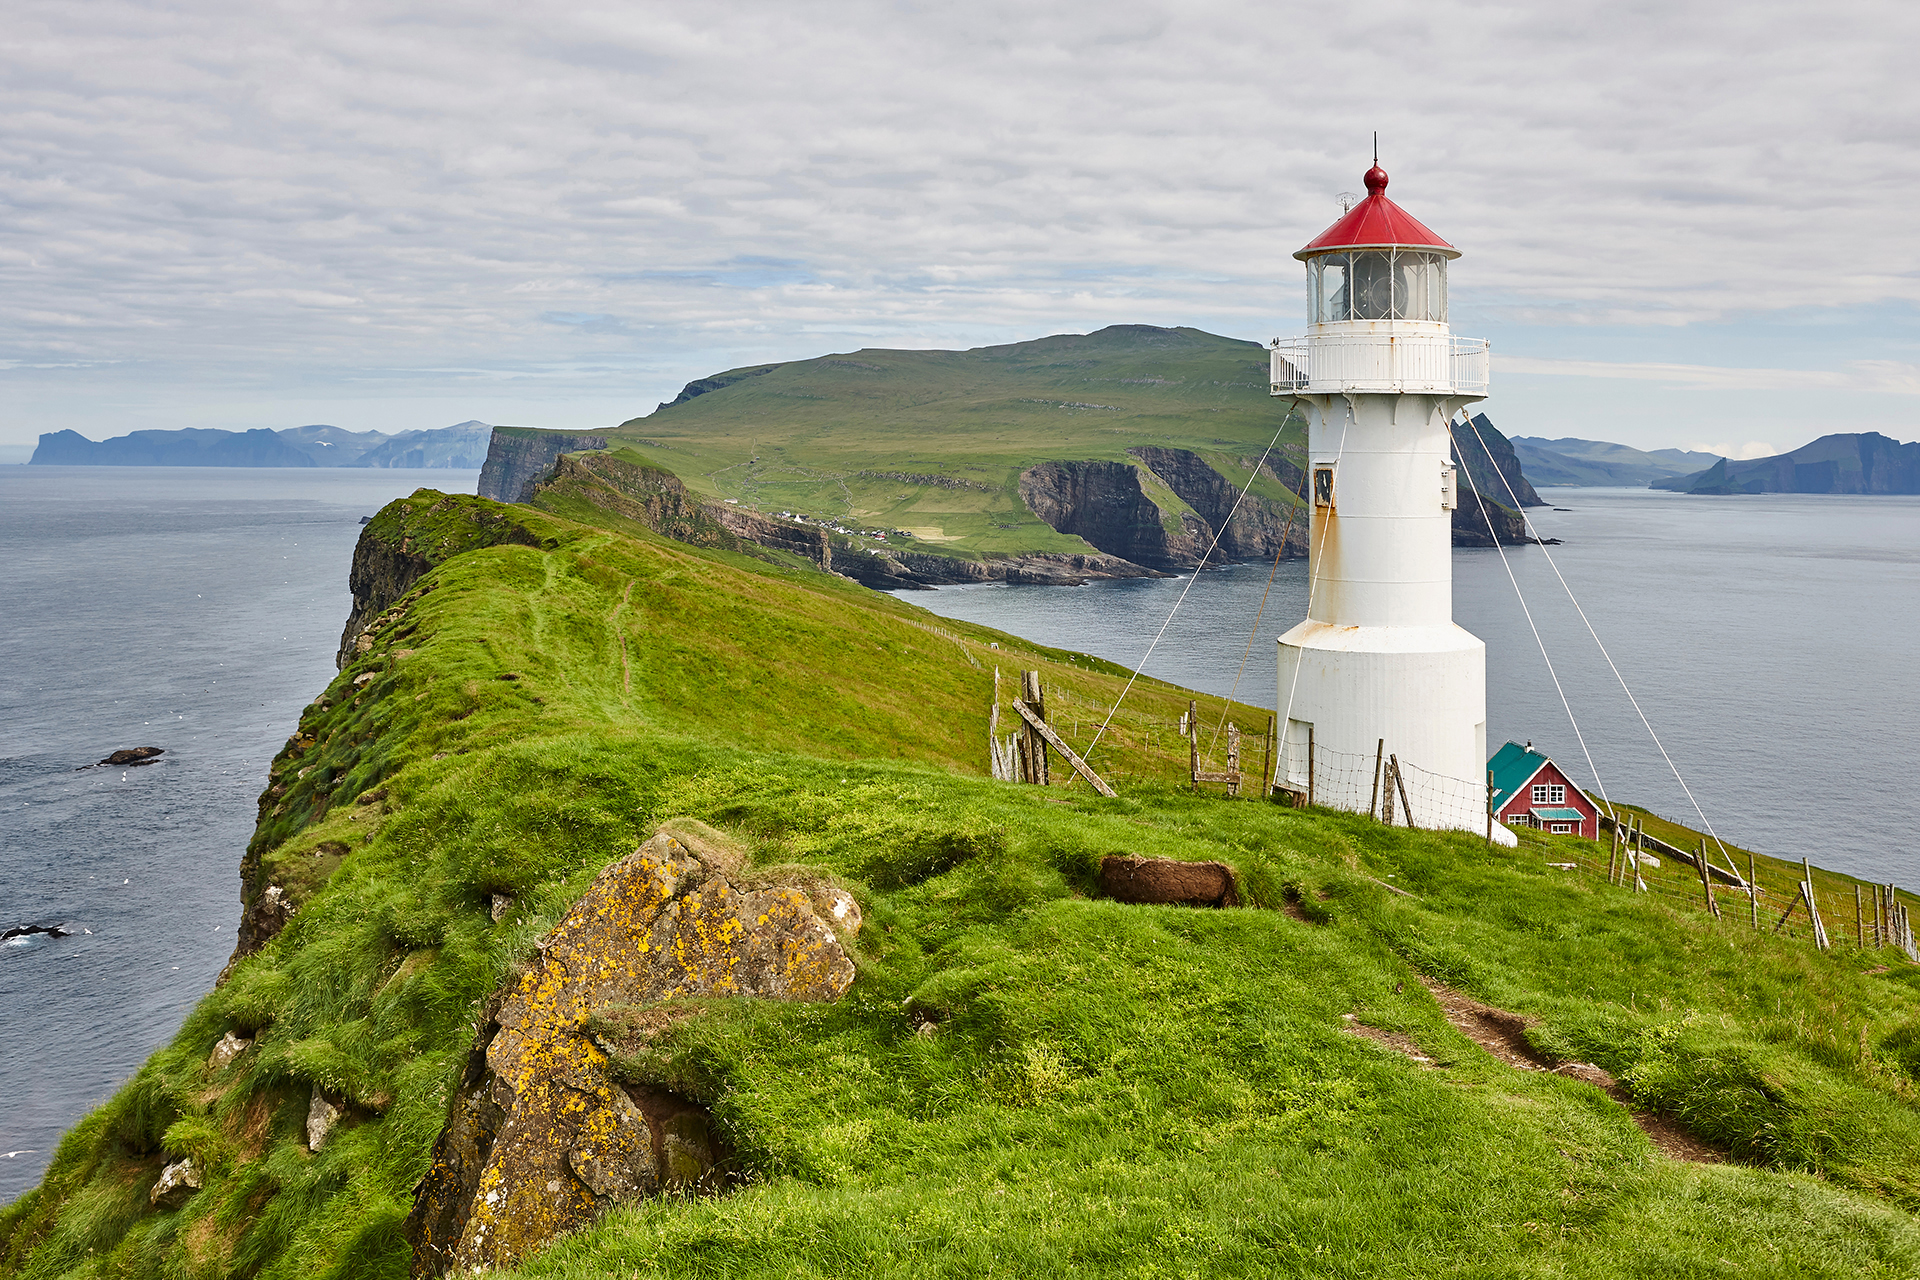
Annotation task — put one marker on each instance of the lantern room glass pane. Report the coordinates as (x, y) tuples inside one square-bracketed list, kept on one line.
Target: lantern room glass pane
[(1372, 286), (1416, 286), (1331, 288)]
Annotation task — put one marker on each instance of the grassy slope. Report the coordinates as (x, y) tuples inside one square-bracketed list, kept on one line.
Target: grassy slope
[(801, 437), (1110, 1090)]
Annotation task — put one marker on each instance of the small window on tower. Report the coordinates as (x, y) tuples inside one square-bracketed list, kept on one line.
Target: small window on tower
[(1449, 497), (1323, 486)]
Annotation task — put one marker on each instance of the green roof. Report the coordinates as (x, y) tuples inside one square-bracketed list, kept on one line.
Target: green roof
[(1558, 815), (1512, 766)]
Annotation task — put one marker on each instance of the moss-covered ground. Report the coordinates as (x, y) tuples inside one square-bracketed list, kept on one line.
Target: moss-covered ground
[(1025, 1079)]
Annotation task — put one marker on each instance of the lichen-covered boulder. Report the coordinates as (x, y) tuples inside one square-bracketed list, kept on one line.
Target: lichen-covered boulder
[(541, 1139)]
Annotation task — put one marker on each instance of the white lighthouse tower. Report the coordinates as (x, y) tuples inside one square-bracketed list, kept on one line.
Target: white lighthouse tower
[(1378, 658)]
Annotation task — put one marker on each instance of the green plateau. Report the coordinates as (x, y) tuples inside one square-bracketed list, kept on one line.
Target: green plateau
[(1025, 1077), (871, 436)]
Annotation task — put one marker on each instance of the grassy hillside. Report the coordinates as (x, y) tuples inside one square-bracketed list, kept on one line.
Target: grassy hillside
[(1025, 1078), (933, 441)]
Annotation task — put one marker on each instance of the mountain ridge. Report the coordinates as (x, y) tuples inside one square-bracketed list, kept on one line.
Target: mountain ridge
[(461, 446)]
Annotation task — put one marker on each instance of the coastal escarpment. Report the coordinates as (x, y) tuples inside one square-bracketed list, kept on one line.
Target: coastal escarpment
[(1106, 504), (517, 457), (624, 484), (400, 544), (1250, 527)]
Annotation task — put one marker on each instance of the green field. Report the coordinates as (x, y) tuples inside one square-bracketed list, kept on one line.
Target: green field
[(1106, 1089), (933, 442)]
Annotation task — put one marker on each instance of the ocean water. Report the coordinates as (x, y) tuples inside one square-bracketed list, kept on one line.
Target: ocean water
[(194, 609), (1773, 643)]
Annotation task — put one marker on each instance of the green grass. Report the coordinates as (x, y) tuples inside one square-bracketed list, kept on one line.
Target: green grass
[(846, 436), (1107, 1090)]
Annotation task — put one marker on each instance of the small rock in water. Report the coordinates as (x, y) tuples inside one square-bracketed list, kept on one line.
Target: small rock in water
[(178, 1181), (321, 1117), (134, 755), (230, 1047), (28, 930)]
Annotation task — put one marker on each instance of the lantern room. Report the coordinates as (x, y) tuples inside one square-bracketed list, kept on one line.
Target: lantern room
[(1377, 263), (1377, 309)]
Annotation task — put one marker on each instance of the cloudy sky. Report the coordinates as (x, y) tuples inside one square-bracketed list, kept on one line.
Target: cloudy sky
[(1683, 224)]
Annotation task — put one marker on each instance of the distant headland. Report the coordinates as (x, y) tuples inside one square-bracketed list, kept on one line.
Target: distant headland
[(463, 445)]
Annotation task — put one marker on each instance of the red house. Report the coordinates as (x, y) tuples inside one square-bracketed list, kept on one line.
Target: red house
[(1530, 791)]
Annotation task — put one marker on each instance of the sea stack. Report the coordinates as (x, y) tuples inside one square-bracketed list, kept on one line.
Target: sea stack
[(1378, 671)]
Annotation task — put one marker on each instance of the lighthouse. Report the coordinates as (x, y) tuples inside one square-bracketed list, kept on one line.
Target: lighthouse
[(1378, 671)]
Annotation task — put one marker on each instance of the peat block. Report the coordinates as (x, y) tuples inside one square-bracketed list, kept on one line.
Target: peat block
[(1129, 878)]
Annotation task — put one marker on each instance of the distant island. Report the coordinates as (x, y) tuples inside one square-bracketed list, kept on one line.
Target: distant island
[(1598, 463), (1846, 462), (463, 445)]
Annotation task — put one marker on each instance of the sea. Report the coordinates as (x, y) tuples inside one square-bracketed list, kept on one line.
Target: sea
[(1769, 640), (187, 608)]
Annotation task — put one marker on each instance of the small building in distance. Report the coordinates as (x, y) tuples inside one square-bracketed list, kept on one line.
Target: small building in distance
[(1529, 790)]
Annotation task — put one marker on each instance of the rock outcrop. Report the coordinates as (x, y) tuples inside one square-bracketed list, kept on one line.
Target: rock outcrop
[(177, 1183), (518, 456), (543, 1136)]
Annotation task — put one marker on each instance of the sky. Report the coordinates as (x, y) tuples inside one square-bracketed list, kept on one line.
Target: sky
[(1684, 225)]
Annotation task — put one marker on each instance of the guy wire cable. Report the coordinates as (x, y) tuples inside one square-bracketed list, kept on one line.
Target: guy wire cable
[(1700, 813), (1522, 597), (1300, 500), (1218, 534)]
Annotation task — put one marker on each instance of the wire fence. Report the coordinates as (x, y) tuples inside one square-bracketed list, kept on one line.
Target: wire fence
[(1383, 785)]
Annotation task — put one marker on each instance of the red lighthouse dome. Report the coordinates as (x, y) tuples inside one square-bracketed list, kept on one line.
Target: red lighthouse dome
[(1376, 223)]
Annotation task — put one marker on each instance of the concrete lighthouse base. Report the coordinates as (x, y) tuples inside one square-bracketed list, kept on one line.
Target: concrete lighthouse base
[(1421, 689)]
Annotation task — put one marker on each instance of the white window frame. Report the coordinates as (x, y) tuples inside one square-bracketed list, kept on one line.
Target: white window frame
[(1540, 793), (1556, 793), (1561, 828)]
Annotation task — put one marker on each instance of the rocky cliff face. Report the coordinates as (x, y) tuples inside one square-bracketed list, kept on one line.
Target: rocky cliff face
[(1105, 503), (400, 544), (546, 1132), (1259, 529), (516, 457), (1489, 459)]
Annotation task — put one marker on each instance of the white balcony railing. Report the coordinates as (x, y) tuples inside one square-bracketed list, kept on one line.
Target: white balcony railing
[(1331, 363)]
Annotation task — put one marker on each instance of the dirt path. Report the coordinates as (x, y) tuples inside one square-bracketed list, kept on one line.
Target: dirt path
[(1504, 1035)]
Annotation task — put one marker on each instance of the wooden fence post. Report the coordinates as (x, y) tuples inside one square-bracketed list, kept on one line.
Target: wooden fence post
[(1036, 745), (1386, 793), (1859, 926), (1490, 821), (1266, 762), (1233, 757), (1193, 742), (1813, 906), (1706, 881), (1310, 768), (1753, 892), (1400, 783), (1379, 754)]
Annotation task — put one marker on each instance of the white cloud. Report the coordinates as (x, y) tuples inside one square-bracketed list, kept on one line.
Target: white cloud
[(1859, 375), (273, 203)]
